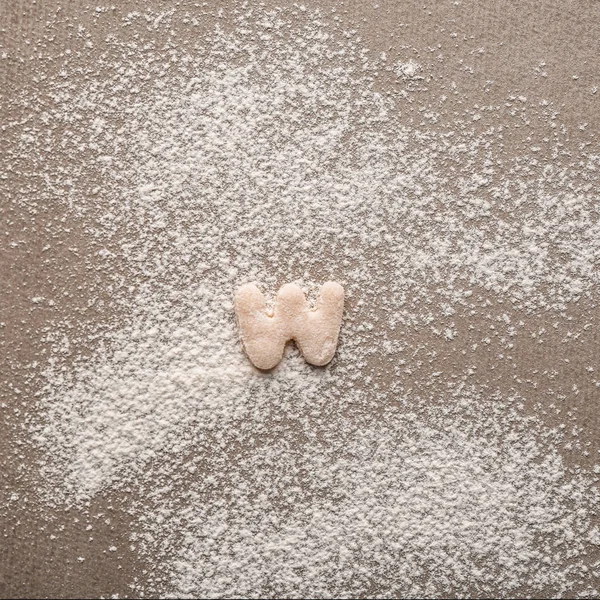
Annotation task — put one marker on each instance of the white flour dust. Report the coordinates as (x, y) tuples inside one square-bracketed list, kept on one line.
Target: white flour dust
[(411, 504), (269, 151)]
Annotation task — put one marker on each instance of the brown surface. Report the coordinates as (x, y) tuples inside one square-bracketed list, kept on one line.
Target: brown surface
[(515, 37)]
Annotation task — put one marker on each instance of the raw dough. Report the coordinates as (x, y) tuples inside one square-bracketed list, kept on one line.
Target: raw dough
[(315, 331)]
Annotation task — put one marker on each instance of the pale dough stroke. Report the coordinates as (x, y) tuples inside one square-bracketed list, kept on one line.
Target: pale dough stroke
[(265, 334)]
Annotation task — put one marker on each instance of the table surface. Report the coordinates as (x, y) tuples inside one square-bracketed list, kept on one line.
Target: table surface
[(514, 39)]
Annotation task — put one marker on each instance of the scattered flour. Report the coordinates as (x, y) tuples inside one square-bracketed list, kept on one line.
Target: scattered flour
[(272, 153), (416, 505), (408, 69)]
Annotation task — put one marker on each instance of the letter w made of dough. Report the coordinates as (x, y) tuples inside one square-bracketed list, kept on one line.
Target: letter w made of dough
[(265, 334)]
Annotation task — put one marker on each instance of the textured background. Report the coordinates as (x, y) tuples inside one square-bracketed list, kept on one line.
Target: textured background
[(515, 36)]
